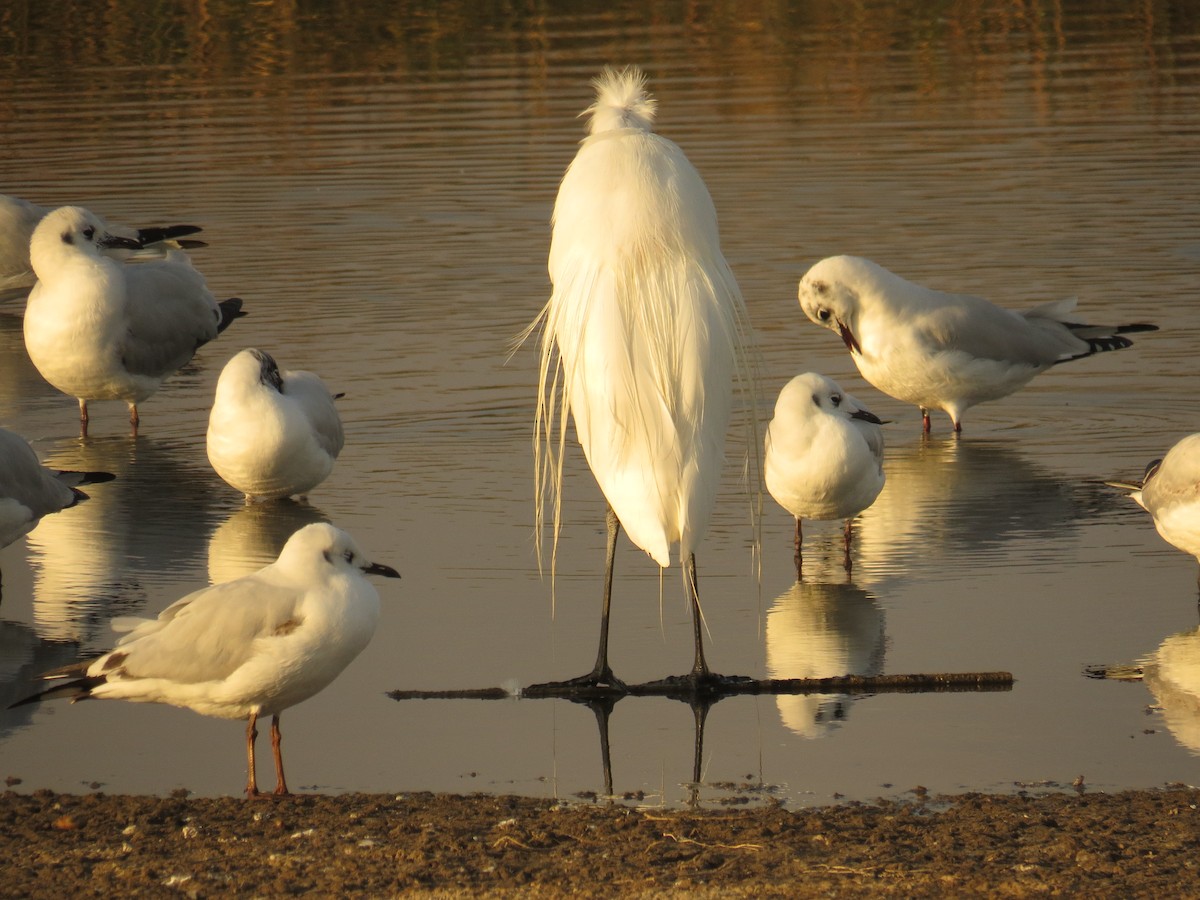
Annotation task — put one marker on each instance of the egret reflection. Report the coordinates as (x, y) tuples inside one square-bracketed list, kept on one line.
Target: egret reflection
[(816, 630)]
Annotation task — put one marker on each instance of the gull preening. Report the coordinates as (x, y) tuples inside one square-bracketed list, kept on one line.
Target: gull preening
[(272, 433), (19, 218), (1170, 492), (824, 455), (246, 648), (100, 329), (944, 351), (29, 490), (642, 339)]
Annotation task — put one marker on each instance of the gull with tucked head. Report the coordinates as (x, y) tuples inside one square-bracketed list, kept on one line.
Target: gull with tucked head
[(944, 351), (272, 433)]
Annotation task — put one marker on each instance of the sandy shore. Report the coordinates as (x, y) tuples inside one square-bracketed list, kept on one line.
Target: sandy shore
[(1138, 843)]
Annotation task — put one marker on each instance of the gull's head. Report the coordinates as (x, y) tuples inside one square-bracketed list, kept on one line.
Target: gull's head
[(71, 230), (831, 295), (809, 395), (329, 551), (251, 368)]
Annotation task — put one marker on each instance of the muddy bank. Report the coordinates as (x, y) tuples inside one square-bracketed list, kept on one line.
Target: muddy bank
[(1133, 843)]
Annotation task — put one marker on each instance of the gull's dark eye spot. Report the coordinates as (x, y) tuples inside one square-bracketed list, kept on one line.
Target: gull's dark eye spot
[(817, 400), (89, 232), (835, 399), (68, 238), (349, 555), (328, 558), (823, 315)]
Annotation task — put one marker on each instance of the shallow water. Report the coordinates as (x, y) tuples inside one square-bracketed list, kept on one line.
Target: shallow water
[(377, 184)]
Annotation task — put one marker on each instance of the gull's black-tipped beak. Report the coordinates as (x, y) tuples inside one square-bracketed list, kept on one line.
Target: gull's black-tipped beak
[(381, 569), (848, 337), (866, 416), (113, 241)]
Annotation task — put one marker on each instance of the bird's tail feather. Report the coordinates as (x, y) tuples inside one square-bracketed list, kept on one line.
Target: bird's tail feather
[(79, 688), (230, 309), (1101, 338), (621, 101)]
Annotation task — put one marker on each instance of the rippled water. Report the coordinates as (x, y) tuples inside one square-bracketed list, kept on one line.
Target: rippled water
[(377, 183)]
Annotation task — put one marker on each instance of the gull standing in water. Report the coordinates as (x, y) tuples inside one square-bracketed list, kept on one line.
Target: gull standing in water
[(19, 218), (1170, 492), (944, 351), (642, 339), (824, 454), (100, 329), (246, 648), (29, 490), (272, 433)]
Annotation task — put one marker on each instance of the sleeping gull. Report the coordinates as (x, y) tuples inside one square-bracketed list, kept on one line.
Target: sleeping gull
[(99, 329), (944, 351), (272, 434), (29, 490), (1170, 492), (246, 648), (824, 454), (19, 218)]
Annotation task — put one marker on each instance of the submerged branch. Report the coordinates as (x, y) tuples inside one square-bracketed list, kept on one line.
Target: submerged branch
[(729, 686)]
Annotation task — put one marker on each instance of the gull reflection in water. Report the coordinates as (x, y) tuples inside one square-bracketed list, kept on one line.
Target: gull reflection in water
[(957, 501), (253, 536), (818, 630), (1172, 674), (148, 524)]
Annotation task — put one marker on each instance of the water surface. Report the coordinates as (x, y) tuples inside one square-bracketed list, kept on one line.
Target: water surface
[(376, 183)]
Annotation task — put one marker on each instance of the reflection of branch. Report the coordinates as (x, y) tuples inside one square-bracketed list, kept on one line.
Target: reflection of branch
[(729, 687)]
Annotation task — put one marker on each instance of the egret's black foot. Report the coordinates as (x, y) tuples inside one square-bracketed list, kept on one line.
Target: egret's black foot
[(699, 684), (597, 683)]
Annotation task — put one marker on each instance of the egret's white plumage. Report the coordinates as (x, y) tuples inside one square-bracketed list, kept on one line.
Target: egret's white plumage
[(18, 220), (100, 329), (245, 648), (29, 490), (943, 351), (1170, 492), (272, 433), (824, 453), (644, 333)]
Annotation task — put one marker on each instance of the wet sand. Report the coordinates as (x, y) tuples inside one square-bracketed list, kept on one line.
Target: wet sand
[(1136, 843)]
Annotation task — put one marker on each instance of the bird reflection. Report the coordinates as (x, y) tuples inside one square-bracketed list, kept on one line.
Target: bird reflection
[(963, 500), (151, 524), (1172, 674), (24, 656), (821, 631), (253, 536)]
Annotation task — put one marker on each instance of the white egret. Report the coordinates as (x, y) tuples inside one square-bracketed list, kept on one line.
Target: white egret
[(272, 434), (100, 329), (642, 339), (824, 454), (944, 351), (246, 648)]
